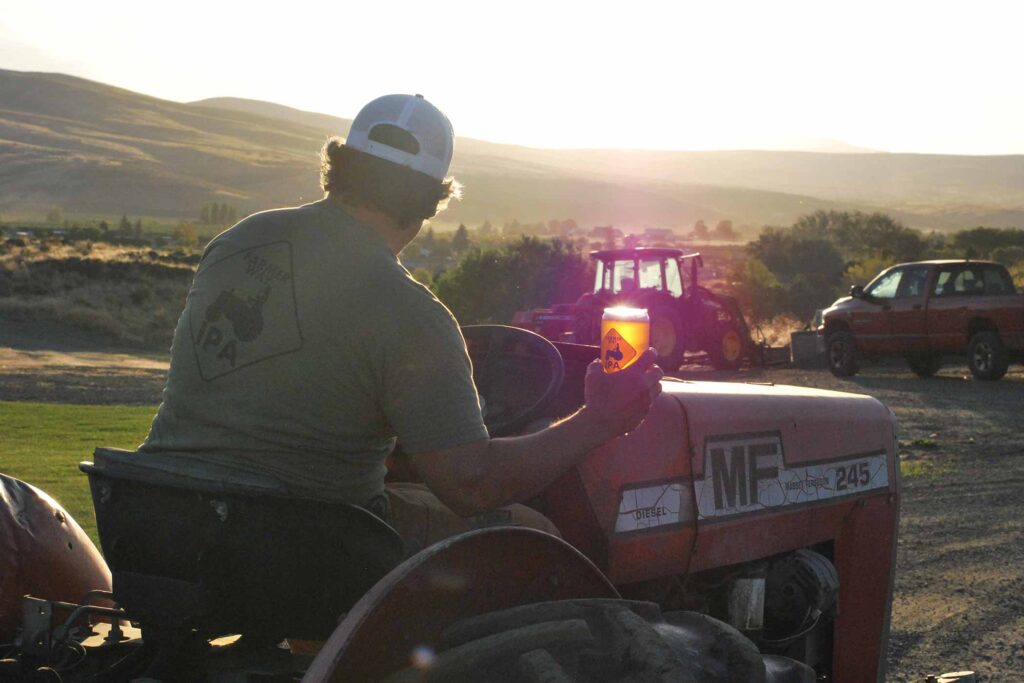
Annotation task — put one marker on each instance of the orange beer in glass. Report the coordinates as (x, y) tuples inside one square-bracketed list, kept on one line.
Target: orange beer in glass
[(625, 335)]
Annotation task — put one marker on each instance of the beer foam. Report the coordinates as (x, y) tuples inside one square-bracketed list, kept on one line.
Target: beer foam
[(626, 314)]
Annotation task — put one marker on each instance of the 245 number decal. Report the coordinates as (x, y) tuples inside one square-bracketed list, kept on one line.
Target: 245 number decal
[(854, 476)]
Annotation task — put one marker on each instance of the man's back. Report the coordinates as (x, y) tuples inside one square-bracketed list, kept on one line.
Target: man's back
[(286, 358)]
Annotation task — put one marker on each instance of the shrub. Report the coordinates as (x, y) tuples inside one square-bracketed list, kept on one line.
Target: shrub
[(1009, 255), (490, 285)]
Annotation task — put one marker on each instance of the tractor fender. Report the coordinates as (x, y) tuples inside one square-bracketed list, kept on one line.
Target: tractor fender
[(43, 553), (464, 576)]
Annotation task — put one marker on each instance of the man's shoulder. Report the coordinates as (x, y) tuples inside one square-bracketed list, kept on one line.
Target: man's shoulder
[(277, 224)]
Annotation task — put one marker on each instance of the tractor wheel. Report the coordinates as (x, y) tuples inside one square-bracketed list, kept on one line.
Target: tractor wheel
[(924, 364), (614, 641), (667, 337), (987, 357), (727, 351), (841, 354)]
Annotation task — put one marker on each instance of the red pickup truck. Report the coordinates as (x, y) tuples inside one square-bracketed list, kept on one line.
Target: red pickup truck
[(923, 311)]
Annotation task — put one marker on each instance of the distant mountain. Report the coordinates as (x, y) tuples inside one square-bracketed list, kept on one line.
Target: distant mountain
[(93, 148), (327, 124)]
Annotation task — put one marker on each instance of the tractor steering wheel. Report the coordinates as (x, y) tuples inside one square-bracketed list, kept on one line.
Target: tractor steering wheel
[(518, 374)]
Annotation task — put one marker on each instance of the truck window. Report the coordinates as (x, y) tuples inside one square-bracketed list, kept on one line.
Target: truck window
[(997, 281), (968, 281), (944, 281), (913, 283), (885, 286)]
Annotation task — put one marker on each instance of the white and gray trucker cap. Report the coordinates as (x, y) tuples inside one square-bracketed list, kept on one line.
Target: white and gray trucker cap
[(406, 130)]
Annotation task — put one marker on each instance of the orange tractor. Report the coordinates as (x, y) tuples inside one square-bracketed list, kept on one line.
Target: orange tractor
[(741, 533), (685, 317)]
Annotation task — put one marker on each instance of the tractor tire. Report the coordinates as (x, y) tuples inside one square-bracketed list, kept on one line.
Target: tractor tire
[(924, 364), (727, 351), (667, 337), (987, 357), (609, 641), (841, 354)]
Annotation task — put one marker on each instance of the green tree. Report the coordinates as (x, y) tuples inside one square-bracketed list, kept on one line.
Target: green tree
[(460, 241), (185, 234), (55, 215), (756, 288), (809, 269), (204, 214), (856, 234), (490, 285), (983, 241), (124, 226), (137, 228), (424, 277), (1008, 255), (724, 231), (700, 230)]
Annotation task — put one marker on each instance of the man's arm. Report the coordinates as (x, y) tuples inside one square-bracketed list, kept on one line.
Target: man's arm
[(490, 473)]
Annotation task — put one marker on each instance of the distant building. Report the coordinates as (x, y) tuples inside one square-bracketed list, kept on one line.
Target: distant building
[(659, 235), (608, 233)]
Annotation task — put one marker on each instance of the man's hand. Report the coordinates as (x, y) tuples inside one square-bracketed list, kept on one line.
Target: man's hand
[(619, 401), (487, 474)]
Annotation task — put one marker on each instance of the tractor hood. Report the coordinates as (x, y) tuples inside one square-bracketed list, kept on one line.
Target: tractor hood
[(847, 305), (714, 454)]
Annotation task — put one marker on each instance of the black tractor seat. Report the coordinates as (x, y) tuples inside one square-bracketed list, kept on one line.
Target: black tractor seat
[(223, 553)]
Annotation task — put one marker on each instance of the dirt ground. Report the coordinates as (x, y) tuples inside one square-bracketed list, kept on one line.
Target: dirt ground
[(959, 598)]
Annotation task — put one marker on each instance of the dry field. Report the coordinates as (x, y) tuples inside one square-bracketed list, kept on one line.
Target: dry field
[(960, 579)]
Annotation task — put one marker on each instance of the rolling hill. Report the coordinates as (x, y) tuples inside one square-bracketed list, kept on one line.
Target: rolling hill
[(94, 148)]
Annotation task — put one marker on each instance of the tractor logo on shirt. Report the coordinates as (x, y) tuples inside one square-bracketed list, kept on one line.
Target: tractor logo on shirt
[(246, 317), (243, 310)]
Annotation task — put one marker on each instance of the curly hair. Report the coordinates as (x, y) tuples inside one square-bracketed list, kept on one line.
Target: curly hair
[(360, 179)]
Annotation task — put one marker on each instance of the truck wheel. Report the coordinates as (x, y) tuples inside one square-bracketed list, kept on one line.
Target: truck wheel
[(667, 337), (727, 352), (841, 354), (986, 356), (924, 364), (617, 641)]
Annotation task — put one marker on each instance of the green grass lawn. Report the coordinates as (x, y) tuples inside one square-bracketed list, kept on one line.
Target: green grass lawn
[(42, 444)]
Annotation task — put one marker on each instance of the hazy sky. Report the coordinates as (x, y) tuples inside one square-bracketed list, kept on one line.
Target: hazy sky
[(898, 76)]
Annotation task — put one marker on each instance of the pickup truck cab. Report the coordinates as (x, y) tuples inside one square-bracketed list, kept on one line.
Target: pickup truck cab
[(924, 311)]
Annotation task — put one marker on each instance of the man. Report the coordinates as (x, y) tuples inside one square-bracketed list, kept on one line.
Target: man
[(305, 348)]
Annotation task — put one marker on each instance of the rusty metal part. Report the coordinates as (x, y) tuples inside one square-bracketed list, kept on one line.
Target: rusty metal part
[(43, 553), (470, 574), (41, 631)]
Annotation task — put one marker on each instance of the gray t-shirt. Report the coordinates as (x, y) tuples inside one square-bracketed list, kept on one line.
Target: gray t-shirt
[(305, 348)]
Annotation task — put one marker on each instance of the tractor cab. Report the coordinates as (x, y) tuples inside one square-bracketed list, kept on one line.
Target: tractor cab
[(685, 317), (621, 271)]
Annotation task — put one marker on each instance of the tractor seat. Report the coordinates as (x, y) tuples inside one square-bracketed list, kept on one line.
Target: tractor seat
[(218, 555)]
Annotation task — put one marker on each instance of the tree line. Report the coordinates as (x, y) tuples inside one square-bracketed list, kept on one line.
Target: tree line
[(794, 269), (807, 265)]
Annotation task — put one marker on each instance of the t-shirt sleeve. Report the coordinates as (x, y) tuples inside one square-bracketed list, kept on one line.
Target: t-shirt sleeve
[(428, 393)]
